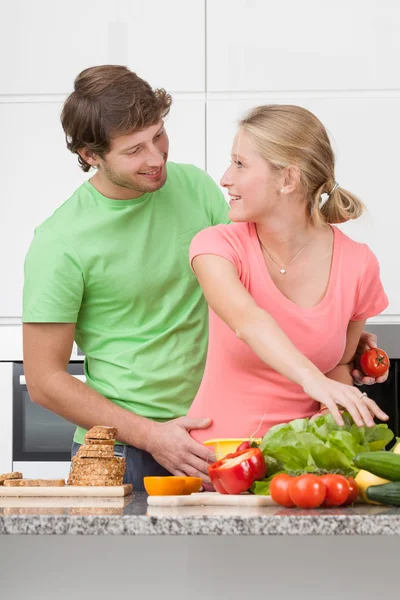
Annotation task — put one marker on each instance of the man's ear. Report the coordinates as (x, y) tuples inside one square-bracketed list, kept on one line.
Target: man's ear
[(291, 180), (88, 156)]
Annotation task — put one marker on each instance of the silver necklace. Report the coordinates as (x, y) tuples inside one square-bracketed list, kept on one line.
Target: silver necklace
[(283, 268)]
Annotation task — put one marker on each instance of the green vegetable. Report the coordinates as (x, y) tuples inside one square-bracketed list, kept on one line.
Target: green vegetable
[(318, 445), (383, 464), (387, 493), (261, 487)]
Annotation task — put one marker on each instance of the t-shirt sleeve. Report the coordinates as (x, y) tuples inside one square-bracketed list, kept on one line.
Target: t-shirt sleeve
[(217, 206), (53, 280), (214, 240), (371, 300)]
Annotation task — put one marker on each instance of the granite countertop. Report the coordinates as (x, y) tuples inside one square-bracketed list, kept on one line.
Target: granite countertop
[(132, 516)]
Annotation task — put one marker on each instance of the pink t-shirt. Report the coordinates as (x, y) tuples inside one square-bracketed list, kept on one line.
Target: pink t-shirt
[(237, 386)]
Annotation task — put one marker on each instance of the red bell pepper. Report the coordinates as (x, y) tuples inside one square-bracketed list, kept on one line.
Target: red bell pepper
[(243, 446), (236, 472)]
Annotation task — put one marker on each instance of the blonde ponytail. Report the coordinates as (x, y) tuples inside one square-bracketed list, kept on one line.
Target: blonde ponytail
[(339, 207)]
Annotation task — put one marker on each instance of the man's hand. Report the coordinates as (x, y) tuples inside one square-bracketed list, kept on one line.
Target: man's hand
[(172, 446), (367, 341)]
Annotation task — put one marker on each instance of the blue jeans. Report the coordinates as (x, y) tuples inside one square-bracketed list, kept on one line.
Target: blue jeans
[(139, 464)]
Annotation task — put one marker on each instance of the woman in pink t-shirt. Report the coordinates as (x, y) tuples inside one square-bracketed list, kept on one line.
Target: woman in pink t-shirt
[(288, 292)]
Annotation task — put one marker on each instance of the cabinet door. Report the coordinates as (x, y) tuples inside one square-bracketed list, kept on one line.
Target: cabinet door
[(364, 132), (47, 43), (254, 45)]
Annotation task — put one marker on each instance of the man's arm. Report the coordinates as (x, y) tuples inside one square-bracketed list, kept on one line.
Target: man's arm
[(47, 350)]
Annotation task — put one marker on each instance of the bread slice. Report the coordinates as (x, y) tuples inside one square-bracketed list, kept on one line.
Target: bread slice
[(95, 481), (93, 452), (51, 482), (34, 482), (98, 472), (102, 433), (20, 483), (13, 475), (98, 442), (117, 460)]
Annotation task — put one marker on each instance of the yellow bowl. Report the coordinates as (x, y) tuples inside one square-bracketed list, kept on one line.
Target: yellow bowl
[(224, 446)]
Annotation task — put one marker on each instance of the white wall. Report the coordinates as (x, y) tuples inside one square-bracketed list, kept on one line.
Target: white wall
[(217, 58)]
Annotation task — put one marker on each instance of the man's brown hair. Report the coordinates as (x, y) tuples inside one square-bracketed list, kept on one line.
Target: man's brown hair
[(108, 101)]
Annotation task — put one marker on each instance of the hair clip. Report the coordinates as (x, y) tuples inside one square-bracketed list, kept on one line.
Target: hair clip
[(325, 196)]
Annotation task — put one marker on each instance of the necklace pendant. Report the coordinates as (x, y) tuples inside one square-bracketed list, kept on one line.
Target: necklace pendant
[(283, 271)]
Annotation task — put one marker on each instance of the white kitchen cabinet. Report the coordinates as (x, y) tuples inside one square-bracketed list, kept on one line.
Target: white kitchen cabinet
[(45, 44), (41, 174), (309, 45), (365, 132), (185, 125)]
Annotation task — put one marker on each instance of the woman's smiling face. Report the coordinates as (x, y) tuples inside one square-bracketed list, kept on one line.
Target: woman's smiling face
[(252, 185)]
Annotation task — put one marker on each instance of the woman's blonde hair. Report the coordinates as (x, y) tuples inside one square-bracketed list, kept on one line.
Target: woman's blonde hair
[(287, 135)]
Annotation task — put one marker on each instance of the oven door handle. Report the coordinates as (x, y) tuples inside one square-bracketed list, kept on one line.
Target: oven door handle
[(22, 379)]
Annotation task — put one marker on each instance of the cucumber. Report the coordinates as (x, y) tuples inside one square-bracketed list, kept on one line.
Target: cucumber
[(383, 464), (388, 493)]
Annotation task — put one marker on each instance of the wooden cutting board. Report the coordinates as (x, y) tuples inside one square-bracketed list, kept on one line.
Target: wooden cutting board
[(211, 499), (67, 491)]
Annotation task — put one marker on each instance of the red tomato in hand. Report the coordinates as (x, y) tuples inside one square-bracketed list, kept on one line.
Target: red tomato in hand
[(374, 362), (353, 492), (337, 489), (307, 491), (279, 490)]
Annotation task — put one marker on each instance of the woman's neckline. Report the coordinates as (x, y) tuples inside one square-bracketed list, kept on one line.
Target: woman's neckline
[(272, 285)]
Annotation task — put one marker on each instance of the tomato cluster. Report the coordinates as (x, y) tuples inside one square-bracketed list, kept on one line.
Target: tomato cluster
[(311, 491)]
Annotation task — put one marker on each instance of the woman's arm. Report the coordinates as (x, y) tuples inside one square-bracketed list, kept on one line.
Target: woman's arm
[(343, 371), (230, 300)]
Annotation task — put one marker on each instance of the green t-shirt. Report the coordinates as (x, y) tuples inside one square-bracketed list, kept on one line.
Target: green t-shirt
[(120, 270)]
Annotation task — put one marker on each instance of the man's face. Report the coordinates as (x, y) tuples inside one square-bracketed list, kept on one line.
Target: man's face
[(137, 161)]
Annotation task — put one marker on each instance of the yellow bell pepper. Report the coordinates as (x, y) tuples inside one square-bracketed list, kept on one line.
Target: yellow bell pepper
[(364, 480), (396, 449)]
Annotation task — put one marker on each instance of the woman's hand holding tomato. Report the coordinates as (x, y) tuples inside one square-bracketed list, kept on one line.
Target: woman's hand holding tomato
[(367, 341), (374, 362)]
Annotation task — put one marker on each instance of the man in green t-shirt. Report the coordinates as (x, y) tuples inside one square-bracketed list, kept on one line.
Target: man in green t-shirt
[(110, 269)]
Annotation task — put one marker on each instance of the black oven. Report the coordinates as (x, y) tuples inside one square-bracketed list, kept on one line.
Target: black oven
[(38, 433)]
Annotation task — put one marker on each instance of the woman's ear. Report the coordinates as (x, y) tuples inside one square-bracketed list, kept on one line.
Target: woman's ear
[(291, 179)]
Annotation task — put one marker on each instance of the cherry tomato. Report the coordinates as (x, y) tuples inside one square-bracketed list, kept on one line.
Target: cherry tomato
[(307, 491), (337, 489), (374, 362), (243, 446), (353, 491), (279, 490)]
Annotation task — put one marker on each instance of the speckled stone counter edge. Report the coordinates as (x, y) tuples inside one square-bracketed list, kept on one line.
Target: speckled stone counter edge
[(145, 525)]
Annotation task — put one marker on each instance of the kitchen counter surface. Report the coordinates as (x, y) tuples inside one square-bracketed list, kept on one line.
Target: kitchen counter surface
[(132, 516)]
